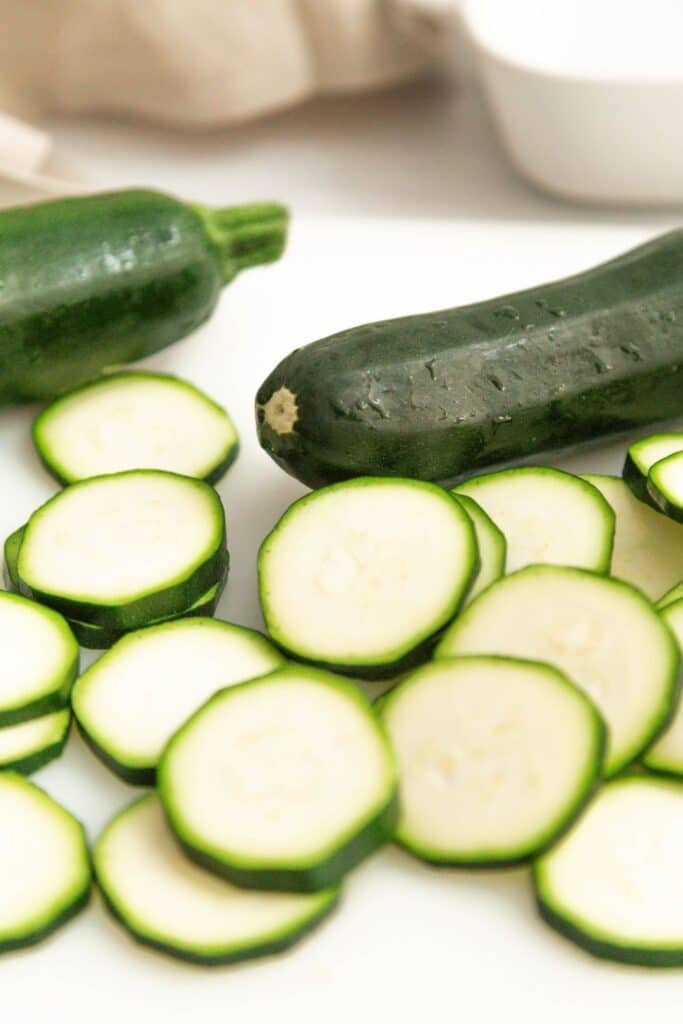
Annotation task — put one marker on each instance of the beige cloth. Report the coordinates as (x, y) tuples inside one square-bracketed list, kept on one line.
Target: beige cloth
[(203, 62)]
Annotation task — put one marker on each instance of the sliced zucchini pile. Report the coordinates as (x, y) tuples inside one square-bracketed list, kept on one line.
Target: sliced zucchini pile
[(170, 904), (612, 884), (360, 576), (120, 552), (648, 546), (135, 420), (496, 756), (491, 544), (44, 864), (603, 633), (547, 516), (643, 455), (285, 783), (31, 745), (129, 703)]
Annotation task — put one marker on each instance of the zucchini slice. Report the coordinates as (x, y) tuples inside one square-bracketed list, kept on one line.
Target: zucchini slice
[(28, 746), (170, 904), (602, 633), (496, 757), (360, 576), (642, 456), (666, 753), (491, 543), (45, 876), (135, 420), (11, 557), (285, 782), (612, 884), (547, 516), (130, 702), (648, 546), (38, 660), (671, 596), (122, 550), (665, 485)]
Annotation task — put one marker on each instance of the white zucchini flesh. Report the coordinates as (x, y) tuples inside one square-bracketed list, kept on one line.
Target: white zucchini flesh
[(359, 574), (613, 883), (30, 745), (496, 756), (44, 864), (135, 421), (665, 485), (491, 544), (283, 782), (116, 538), (38, 659), (547, 516), (132, 699), (666, 753), (602, 633), (173, 905), (648, 546)]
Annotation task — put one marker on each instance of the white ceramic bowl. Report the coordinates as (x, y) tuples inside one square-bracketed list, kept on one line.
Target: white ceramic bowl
[(588, 94)]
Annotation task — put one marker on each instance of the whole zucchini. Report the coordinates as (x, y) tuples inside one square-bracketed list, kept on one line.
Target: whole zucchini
[(444, 394), (92, 282)]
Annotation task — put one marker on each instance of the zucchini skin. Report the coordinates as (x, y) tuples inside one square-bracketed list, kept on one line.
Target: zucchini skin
[(444, 394), (34, 762), (92, 282)]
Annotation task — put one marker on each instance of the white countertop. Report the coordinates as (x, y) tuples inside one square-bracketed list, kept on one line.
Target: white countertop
[(402, 202)]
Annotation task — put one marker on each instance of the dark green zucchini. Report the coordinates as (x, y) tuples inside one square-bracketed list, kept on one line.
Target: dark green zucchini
[(444, 394), (96, 281)]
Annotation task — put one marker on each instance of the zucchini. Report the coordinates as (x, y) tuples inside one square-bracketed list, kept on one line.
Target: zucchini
[(130, 701), (546, 516), (360, 576), (38, 660), (174, 906), (10, 559), (31, 745), (665, 485), (285, 783), (612, 885), (666, 753), (602, 633), (441, 395), (46, 876), (135, 421), (642, 455), (648, 547), (97, 281), (491, 544), (671, 596), (496, 757), (120, 551)]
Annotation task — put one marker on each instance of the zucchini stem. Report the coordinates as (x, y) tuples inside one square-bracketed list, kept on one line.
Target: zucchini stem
[(245, 235)]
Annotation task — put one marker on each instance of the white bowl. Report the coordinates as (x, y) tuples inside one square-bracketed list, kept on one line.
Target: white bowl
[(588, 94)]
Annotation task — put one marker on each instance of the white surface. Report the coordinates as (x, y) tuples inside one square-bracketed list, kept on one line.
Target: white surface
[(587, 92), (408, 942)]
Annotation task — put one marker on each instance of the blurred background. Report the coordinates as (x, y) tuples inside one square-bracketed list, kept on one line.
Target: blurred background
[(520, 109)]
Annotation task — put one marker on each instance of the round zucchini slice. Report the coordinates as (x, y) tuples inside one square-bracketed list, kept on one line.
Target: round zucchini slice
[(135, 420), (44, 864), (612, 884), (129, 703), (648, 547), (547, 516), (665, 485), (496, 757), (120, 551), (38, 660), (602, 633), (492, 547), (31, 745), (360, 576), (642, 455), (284, 783), (170, 904)]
